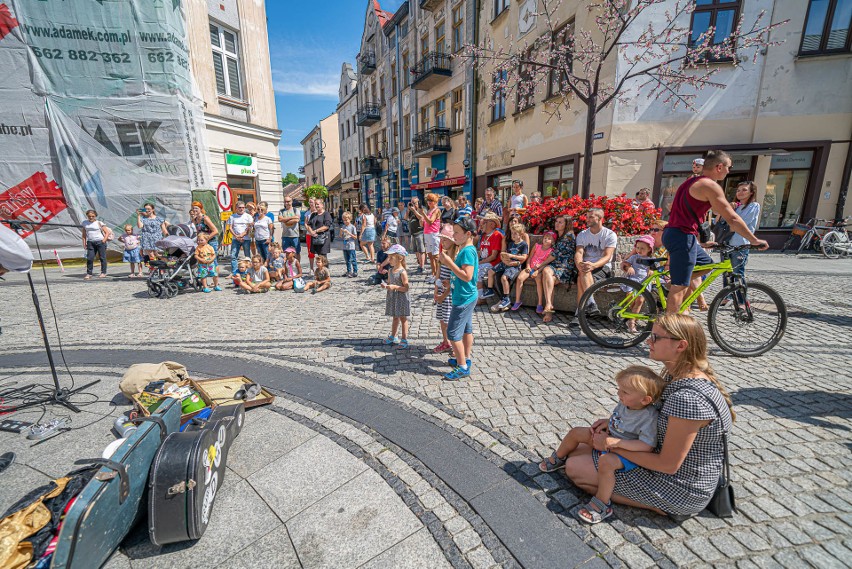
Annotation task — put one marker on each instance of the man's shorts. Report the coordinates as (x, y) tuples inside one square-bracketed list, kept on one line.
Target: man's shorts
[(461, 321), (433, 243), (292, 242), (484, 270), (684, 254), (418, 243), (601, 273)]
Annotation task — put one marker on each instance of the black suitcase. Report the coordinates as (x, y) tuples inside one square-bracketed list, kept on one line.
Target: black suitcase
[(186, 474)]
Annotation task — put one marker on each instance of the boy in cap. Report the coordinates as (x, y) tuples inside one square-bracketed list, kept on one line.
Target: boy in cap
[(490, 245), (465, 268)]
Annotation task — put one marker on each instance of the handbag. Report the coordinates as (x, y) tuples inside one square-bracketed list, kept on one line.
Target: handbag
[(722, 504), (705, 234), (723, 232)]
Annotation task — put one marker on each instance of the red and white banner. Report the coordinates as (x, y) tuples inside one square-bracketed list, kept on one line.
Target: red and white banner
[(32, 203)]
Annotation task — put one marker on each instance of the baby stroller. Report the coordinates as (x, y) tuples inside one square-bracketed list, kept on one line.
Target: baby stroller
[(177, 271)]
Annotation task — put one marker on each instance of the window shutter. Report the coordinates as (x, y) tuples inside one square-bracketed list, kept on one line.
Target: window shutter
[(220, 74), (234, 78)]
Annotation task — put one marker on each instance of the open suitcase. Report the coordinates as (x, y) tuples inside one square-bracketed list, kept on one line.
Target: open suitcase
[(108, 506), (187, 472)]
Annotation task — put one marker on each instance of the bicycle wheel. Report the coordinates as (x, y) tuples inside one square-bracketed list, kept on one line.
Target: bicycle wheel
[(805, 242), (747, 326), (609, 329), (829, 242)]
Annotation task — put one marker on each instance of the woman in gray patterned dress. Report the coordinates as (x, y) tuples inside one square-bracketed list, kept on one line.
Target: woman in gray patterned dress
[(681, 477), (153, 229)]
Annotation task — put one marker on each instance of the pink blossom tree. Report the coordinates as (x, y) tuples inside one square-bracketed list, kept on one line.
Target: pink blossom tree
[(650, 43)]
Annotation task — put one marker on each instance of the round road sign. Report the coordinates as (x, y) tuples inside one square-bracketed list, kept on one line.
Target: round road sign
[(224, 196)]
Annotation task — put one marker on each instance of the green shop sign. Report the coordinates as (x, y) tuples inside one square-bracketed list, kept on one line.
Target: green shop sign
[(240, 165)]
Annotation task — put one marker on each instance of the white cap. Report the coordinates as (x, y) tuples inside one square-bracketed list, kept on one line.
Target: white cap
[(699, 161)]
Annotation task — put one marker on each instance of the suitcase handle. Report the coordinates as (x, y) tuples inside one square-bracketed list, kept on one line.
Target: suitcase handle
[(116, 467), (153, 419)]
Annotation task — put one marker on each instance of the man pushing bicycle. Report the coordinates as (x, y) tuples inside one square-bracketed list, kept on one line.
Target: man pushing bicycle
[(694, 198)]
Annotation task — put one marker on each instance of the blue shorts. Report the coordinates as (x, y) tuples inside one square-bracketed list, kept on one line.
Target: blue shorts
[(628, 466), (461, 321), (292, 242), (684, 253), (369, 235)]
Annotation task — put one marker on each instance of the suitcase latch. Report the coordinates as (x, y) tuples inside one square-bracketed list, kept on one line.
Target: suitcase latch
[(181, 487)]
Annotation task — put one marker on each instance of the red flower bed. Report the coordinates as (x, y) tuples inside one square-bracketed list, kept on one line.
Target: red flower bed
[(620, 214)]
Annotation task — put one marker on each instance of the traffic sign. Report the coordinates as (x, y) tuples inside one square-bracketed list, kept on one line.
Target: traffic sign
[(224, 196)]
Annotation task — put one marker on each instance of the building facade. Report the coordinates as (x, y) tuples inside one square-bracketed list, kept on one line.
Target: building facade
[(230, 62), (321, 148), (350, 155), (786, 118)]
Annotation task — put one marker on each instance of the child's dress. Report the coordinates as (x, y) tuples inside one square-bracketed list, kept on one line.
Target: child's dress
[(397, 303), (442, 310), (640, 271)]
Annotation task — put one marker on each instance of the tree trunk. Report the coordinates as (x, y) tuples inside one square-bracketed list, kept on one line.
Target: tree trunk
[(591, 118)]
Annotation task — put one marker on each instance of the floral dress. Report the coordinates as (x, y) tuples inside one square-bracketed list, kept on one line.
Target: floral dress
[(151, 232), (563, 262)]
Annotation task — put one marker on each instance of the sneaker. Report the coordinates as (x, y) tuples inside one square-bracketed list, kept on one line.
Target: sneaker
[(391, 340), (206, 289), (574, 322), (495, 308), (453, 363), (593, 311), (430, 280), (486, 293), (457, 374), (217, 288), (515, 307), (442, 347), (504, 305)]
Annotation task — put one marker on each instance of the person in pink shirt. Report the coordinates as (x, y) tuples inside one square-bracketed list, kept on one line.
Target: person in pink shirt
[(542, 255)]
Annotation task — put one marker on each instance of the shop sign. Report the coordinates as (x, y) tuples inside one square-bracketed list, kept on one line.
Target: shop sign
[(446, 182), (240, 165), (552, 173), (793, 160)]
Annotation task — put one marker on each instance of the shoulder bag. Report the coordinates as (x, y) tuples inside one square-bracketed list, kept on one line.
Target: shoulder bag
[(722, 504), (705, 234)]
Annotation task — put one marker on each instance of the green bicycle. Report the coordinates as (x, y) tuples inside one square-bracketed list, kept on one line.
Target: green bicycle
[(745, 318)]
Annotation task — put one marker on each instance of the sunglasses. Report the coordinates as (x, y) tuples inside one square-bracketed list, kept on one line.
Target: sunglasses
[(654, 337), (656, 230)]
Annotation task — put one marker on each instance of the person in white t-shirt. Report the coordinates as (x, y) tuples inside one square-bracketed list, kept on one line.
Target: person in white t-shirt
[(95, 236), (264, 227), (595, 247), (240, 223)]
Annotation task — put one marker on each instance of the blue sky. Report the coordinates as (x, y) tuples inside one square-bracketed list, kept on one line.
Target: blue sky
[(308, 43)]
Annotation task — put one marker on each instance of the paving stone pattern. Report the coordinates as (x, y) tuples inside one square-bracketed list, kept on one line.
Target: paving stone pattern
[(790, 448)]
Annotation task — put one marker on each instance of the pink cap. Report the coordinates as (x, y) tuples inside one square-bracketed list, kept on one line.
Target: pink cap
[(447, 231), (289, 250), (551, 234), (647, 239)]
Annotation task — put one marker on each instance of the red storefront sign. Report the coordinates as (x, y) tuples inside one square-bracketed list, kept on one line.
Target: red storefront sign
[(32, 203), (460, 180)]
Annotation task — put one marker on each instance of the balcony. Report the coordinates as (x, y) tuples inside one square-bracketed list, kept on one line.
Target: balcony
[(371, 165), (431, 70), (367, 63), (367, 115), (430, 5), (432, 141)]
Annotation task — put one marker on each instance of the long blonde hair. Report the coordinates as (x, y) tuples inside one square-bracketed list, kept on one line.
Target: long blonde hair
[(685, 327)]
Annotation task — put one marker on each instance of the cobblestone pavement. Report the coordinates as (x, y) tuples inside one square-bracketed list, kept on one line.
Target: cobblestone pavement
[(531, 382)]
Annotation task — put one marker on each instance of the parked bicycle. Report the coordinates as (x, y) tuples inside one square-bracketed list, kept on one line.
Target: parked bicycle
[(809, 236), (745, 318), (836, 242)]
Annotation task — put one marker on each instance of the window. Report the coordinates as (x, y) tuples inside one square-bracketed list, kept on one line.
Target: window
[(828, 27), (440, 38), (344, 169), (498, 100), (500, 6), (424, 119), (525, 90), (722, 15), (348, 132), (406, 72), (341, 132), (458, 27), (424, 45), (558, 81), (373, 98), (441, 113), (393, 79), (392, 42), (406, 132), (395, 136), (381, 91), (403, 30), (458, 109), (226, 62), (557, 181)]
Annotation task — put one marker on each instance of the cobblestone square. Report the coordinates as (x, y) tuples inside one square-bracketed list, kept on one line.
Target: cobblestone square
[(531, 382)]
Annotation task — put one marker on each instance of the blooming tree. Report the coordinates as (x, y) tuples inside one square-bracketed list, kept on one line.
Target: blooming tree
[(648, 40)]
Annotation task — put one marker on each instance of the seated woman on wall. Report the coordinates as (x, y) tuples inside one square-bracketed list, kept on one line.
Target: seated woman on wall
[(680, 480), (562, 269)]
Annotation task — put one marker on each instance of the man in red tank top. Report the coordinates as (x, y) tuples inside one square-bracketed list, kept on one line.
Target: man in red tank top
[(694, 198)]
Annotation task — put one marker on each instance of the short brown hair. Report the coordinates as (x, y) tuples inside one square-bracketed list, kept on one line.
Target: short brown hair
[(715, 157), (641, 379)]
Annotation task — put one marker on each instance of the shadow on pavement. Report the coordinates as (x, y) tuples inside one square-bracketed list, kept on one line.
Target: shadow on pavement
[(804, 406), (837, 319), (413, 358)]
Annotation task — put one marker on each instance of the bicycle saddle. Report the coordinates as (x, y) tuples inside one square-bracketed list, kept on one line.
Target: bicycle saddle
[(652, 261)]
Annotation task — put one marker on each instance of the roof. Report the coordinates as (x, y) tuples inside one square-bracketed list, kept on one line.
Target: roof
[(294, 191), (382, 15)]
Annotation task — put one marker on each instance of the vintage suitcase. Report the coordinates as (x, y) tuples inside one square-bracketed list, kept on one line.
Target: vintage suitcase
[(221, 391), (187, 473), (109, 505), (233, 415)]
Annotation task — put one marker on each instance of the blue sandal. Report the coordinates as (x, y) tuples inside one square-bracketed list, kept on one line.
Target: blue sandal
[(457, 374), (454, 364)]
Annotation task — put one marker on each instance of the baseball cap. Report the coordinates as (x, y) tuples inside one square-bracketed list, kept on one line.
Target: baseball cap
[(699, 161), (647, 239), (289, 250), (466, 224), (397, 250)]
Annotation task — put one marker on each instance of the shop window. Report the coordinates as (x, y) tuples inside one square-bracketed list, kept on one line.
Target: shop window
[(226, 62), (828, 27), (677, 168), (789, 175), (502, 185), (558, 181), (720, 15)]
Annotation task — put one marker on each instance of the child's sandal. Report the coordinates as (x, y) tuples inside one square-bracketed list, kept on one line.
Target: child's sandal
[(595, 511), (552, 463)]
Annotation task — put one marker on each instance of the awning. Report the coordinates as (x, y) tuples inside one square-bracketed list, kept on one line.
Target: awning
[(458, 181)]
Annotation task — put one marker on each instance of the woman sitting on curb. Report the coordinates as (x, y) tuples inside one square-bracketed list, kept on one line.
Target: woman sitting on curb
[(680, 480), (562, 269)]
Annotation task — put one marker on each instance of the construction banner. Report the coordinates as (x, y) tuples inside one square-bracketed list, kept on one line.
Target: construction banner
[(99, 112)]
